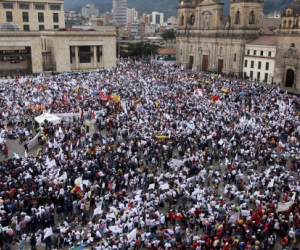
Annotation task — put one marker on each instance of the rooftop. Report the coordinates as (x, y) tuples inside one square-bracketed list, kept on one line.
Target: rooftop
[(265, 41), (166, 51)]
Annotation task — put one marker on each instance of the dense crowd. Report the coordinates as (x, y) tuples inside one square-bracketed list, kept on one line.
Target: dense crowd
[(178, 160)]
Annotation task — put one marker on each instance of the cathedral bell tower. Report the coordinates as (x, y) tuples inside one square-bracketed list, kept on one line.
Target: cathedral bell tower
[(245, 14)]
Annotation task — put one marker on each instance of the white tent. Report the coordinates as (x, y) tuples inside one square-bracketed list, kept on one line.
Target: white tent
[(49, 117)]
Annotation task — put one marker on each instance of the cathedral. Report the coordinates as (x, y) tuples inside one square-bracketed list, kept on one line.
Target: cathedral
[(209, 41)]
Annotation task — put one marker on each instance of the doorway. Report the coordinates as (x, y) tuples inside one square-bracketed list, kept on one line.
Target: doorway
[(191, 62), (220, 66), (290, 76), (204, 62)]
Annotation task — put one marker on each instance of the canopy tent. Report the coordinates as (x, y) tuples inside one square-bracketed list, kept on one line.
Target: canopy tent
[(54, 119)]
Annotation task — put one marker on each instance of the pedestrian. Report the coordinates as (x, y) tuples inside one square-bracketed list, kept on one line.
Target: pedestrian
[(33, 242)]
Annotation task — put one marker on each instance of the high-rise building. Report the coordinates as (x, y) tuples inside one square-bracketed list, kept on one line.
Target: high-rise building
[(120, 12), (90, 10), (157, 18), (33, 15), (132, 15)]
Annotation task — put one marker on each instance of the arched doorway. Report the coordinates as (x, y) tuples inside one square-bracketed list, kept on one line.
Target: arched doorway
[(290, 76)]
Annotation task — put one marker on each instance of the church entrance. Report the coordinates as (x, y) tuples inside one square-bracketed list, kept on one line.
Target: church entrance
[(290, 76), (204, 63), (220, 66), (191, 62)]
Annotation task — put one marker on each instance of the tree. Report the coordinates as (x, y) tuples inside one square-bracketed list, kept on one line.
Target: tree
[(142, 49), (169, 34)]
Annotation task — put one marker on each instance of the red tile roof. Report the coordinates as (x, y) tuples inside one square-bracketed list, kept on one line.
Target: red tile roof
[(265, 40)]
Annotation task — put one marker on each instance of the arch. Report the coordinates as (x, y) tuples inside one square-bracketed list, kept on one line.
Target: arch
[(251, 17), (284, 24), (290, 77), (192, 20), (238, 17), (290, 24), (182, 20)]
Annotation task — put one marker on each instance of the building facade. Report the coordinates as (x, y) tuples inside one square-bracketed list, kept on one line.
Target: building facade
[(208, 41), (90, 10), (120, 12), (156, 17), (132, 15), (259, 59), (33, 15), (287, 71)]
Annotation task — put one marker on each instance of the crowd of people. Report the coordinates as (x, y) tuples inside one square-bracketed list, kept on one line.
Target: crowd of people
[(177, 160)]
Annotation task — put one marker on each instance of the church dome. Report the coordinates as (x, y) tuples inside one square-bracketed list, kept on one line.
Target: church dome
[(9, 26)]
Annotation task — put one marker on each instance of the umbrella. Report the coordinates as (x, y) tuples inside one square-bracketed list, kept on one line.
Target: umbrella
[(225, 90), (243, 93), (254, 92), (95, 92), (216, 97)]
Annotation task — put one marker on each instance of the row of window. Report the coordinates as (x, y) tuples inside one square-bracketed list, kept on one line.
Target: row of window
[(25, 16), (267, 66), (261, 53), (26, 27), (238, 18), (26, 6), (258, 76)]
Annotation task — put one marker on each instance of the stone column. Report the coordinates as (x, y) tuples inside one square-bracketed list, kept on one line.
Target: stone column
[(76, 58), (95, 56)]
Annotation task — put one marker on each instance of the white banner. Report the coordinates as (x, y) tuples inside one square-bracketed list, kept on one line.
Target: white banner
[(132, 235), (176, 162), (234, 218), (48, 232), (98, 210), (246, 213), (284, 206), (116, 229), (33, 142), (66, 115)]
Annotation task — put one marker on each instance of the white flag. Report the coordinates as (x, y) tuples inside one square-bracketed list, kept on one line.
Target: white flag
[(25, 154), (98, 210), (48, 232), (132, 235), (226, 161)]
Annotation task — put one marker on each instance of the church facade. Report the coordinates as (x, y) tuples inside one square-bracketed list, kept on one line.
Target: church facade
[(208, 41), (287, 65)]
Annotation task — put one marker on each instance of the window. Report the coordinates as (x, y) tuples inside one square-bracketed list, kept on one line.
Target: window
[(251, 17), (41, 27), (258, 76), (284, 24), (252, 64), (54, 7), (56, 27), (192, 20), (24, 6), (55, 17), (9, 16), (238, 18), (221, 50), (26, 27), (248, 52), (234, 58), (182, 20), (8, 5), (267, 66), (84, 54), (290, 24), (254, 52), (246, 63), (266, 77), (251, 74), (25, 17), (269, 53), (261, 53), (41, 17), (39, 6), (259, 65)]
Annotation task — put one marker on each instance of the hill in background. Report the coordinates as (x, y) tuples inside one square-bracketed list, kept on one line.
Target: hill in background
[(166, 6)]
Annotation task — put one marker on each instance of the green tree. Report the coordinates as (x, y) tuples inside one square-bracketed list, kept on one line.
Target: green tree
[(169, 35), (142, 49)]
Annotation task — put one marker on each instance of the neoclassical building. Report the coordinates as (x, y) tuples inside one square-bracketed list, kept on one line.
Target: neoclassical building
[(208, 41)]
